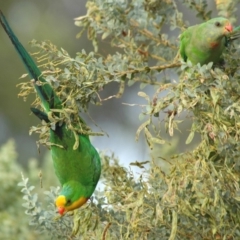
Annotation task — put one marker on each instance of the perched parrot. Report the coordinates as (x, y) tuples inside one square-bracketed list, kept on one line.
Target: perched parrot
[(77, 170), (204, 43)]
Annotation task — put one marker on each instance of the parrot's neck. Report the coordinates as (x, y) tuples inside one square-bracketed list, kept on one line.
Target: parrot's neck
[(76, 204)]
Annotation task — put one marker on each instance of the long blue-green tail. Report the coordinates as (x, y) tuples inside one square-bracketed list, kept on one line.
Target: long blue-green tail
[(48, 97)]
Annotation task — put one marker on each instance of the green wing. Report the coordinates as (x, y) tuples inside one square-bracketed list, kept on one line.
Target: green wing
[(184, 40)]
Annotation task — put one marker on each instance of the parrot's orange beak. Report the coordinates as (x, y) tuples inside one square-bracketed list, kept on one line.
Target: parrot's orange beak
[(229, 27), (61, 210)]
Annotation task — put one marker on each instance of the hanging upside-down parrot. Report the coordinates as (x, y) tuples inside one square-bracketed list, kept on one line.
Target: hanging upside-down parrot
[(205, 42), (77, 170)]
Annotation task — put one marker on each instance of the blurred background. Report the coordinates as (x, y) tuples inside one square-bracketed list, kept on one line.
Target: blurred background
[(54, 20)]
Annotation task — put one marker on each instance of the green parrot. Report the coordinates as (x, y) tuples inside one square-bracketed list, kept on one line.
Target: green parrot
[(205, 42), (77, 170)]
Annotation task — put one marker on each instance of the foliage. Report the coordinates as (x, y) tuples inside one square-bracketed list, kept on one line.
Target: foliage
[(198, 198), (13, 221), (227, 8)]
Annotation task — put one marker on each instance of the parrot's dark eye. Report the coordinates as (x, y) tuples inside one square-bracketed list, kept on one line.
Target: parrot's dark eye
[(68, 202), (217, 24)]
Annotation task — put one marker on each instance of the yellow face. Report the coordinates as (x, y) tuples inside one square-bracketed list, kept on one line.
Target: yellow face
[(64, 206)]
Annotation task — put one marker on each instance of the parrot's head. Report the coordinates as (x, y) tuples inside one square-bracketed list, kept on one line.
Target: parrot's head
[(221, 25), (217, 28), (70, 198)]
